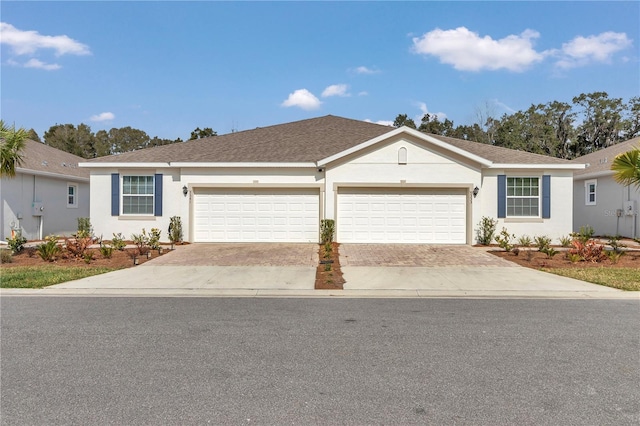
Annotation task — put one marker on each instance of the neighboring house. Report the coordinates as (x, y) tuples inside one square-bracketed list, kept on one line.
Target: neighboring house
[(47, 196), (379, 183), (599, 201)]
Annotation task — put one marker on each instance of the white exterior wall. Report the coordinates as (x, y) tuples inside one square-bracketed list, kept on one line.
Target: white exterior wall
[(19, 194), (560, 222), (602, 216), (380, 168), (174, 203)]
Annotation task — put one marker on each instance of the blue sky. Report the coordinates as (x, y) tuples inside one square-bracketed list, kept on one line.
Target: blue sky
[(169, 67)]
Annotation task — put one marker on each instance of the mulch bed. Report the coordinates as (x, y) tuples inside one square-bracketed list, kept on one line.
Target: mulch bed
[(328, 273), (531, 258)]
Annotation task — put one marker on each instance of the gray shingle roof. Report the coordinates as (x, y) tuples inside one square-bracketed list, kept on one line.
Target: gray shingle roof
[(308, 140), (600, 161), (39, 157)]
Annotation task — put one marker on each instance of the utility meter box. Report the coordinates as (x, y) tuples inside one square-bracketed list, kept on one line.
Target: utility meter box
[(629, 208), (38, 208)]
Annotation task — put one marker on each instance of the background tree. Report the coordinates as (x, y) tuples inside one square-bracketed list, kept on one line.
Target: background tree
[(69, 138), (602, 122), (204, 133), (33, 135), (403, 120), (627, 167), (12, 143), (431, 124)]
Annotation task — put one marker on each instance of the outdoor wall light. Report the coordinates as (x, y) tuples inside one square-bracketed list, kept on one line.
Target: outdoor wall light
[(185, 190), (475, 191)]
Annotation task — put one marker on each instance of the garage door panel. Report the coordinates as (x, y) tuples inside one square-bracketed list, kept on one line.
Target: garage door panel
[(412, 216), (285, 215)]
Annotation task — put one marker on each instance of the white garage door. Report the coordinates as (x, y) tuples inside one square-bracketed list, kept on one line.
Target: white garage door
[(404, 216), (274, 215)]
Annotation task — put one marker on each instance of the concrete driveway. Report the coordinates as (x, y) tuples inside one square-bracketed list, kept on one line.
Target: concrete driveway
[(371, 270), (439, 270), (238, 269)]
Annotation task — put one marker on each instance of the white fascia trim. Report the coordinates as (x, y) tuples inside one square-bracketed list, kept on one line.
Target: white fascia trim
[(538, 166), (412, 132), (51, 175), (244, 165), (122, 165)]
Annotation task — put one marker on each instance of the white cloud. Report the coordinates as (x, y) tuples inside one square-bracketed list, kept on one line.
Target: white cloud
[(28, 42), (336, 90), (103, 116), (35, 63), (595, 48), (363, 93), (302, 98), (467, 51), (424, 110), (365, 70), (382, 122)]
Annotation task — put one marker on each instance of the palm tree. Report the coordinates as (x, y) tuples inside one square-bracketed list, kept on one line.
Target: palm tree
[(11, 145), (627, 167)]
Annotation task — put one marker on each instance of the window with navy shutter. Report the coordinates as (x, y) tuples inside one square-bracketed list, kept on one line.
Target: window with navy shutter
[(526, 196)]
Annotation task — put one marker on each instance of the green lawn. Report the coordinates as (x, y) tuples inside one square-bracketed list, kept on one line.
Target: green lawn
[(622, 278), (42, 276)]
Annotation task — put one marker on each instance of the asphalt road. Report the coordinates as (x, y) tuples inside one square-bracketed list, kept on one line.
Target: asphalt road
[(318, 361)]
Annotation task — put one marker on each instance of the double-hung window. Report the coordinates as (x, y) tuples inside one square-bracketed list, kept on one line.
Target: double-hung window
[(137, 195), (590, 188), (523, 197), (72, 196)]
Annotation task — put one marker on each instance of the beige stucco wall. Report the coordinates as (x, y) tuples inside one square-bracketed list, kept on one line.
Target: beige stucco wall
[(602, 216)]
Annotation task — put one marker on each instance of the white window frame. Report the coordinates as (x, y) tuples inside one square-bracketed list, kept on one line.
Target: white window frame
[(587, 192), (74, 204), (123, 195), (515, 197)]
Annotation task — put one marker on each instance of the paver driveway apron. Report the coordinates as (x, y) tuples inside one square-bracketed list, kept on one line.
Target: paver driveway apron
[(439, 269), (223, 266)]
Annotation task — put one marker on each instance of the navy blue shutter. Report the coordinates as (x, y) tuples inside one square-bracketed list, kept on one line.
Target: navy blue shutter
[(157, 207), (502, 196), (546, 196), (115, 194)]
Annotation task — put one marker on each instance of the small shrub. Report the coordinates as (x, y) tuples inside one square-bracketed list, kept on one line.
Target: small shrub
[(614, 256), (549, 251), (589, 251), (31, 251), (615, 243), (504, 239), (175, 230), (78, 246), (5, 256), (117, 242), (84, 228), (486, 230), (88, 257), (328, 248), (327, 230), (584, 234), (49, 250), (565, 241), (154, 238), (524, 241), (141, 241), (542, 242), (573, 257), (106, 251), (16, 244)]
